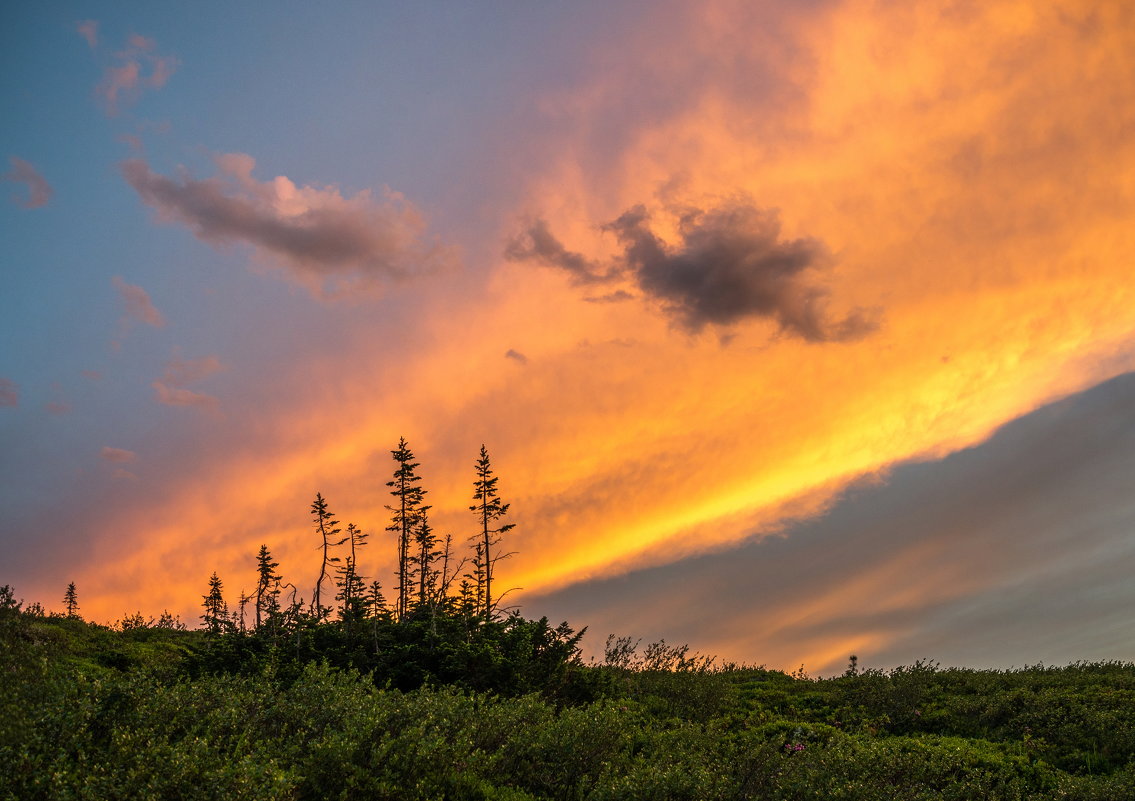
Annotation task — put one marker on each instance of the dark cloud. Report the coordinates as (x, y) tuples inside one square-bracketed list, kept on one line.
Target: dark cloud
[(730, 265), (317, 232), (537, 243), (618, 296), (516, 356), (39, 190)]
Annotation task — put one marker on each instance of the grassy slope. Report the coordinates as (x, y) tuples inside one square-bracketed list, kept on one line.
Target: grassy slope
[(86, 712)]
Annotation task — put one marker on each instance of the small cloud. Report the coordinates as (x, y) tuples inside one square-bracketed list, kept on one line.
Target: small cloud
[(89, 30), (39, 190), (9, 392), (117, 455), (171, 388), (537, 243), (92, 375), (516, 356), (617, 296), (133, 141), (326, 240), (138, 67), (138, 304), (123, 475), (58, 408)]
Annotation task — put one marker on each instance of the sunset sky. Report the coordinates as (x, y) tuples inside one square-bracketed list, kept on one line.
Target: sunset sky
[(793, 329)]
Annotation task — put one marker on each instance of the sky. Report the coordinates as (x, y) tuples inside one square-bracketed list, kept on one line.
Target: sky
[(793, 329)]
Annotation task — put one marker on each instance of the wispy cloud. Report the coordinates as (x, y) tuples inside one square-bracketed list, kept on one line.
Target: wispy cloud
[(138, 305), (516, 356), (730, 264), (23, 172), (89, 30), (9, 392), (58, 405), (537, 243), (117, 455), (328, 241), (171, 389), (137, 67)]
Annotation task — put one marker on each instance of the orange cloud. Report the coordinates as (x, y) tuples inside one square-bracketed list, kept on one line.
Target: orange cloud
[(968, 168)]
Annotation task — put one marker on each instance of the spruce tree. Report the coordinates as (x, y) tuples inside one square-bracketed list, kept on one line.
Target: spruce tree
[(426, 553), (216, 617), (350, 582), (71, 599), (327, 527), (267, 584), (489, 510), (405, 514)]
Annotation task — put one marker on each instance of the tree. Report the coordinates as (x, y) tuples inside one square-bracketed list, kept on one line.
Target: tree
[(267, 584), (216, 617), (71, 599), (328, 529), (351, 583), (405, 515), (426, 545), (490, 511)]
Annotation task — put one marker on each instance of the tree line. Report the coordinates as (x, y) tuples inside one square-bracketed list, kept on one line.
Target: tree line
[(430, 580)]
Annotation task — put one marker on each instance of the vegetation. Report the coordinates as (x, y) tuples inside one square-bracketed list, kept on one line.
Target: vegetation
[(444, 696)]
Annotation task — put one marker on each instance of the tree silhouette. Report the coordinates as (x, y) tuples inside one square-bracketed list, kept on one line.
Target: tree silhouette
[(71, 599), (489, 510), (426, 554), (216, 617), (327, 526), (406, 513), (351, 584), (267, 585)]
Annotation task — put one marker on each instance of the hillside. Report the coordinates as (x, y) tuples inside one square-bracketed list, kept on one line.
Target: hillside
[(506, 709)]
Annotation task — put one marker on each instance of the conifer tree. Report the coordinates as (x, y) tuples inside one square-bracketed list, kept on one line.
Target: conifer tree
[(327, 527), (216, 617), (71, 599), (426, 553), (405, 513), (267, 584), (351, 584), (489, 510), (376, 601)]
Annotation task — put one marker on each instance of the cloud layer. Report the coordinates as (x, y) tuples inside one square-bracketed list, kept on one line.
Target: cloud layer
[(327, 240)]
